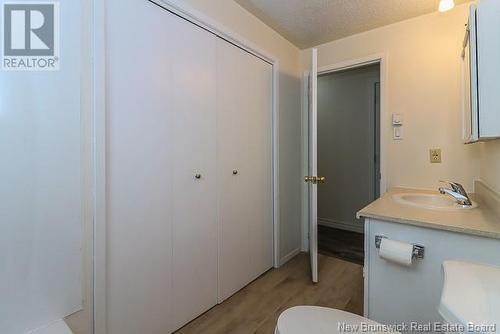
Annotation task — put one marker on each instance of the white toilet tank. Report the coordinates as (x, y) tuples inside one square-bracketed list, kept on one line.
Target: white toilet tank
[(470, 297), (323, 320)]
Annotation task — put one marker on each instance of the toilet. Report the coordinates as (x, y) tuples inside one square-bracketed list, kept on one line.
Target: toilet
[(482, 308), (324, 320)]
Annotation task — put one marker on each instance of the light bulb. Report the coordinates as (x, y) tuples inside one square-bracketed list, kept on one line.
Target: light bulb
[(446, 5)]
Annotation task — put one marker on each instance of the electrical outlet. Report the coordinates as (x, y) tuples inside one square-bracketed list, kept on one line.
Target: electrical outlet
[(435, 155)]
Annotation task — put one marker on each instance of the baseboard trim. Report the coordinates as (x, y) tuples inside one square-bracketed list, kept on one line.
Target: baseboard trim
[(341, 225), (289, 256)]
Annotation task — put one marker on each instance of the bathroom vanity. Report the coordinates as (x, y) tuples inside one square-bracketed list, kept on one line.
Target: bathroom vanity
[(395, 293)]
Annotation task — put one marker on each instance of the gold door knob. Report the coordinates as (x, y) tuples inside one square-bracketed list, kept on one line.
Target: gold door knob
[(315, 179)]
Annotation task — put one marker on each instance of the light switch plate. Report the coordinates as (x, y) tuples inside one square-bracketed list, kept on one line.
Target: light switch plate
[(397, 119), (435, 155), (397, 133)]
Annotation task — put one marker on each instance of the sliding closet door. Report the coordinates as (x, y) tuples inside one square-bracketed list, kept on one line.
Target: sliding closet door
[(244, 153), (139, 163), (194, 174)]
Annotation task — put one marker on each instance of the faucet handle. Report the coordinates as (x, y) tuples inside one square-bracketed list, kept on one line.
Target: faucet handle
[(454, 185), (458, 192), (458, 188)]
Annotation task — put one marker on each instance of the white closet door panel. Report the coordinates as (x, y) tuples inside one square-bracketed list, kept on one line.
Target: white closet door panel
[(244, 145), (139, 165), (258, 167), (194, 201), (234, 246)]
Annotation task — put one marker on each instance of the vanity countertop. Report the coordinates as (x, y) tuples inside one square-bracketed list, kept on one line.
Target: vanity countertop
[(482, 221)]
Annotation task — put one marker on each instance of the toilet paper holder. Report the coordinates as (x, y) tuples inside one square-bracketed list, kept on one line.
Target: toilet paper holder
[(418, 250)]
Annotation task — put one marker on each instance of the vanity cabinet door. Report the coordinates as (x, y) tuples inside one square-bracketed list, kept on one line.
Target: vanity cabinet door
[(488, 68), (481, 67), (395, 293)]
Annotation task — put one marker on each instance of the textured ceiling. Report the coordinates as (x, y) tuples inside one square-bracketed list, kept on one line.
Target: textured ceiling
[(308, 23)]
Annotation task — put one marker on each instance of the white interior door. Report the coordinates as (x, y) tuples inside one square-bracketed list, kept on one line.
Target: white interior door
[(312, 179)]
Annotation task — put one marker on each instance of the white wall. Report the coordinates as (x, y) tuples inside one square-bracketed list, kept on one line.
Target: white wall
[(241, 22), (41, 188), (423, 83)]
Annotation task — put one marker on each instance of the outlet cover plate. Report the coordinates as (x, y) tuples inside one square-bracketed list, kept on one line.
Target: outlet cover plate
[(435, 155)]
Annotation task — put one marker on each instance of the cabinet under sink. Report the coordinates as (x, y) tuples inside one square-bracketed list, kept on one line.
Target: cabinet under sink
[(410, 293), (396, 293)]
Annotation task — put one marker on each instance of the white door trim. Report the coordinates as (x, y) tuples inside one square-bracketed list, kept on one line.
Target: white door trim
[(188, 13), (99, 150), (381, 59)]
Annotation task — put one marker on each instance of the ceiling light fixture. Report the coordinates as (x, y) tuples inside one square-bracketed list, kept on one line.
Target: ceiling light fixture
[(446, 5)]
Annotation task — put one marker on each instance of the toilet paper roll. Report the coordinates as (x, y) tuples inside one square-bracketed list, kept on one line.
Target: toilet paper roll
[(396, 251)]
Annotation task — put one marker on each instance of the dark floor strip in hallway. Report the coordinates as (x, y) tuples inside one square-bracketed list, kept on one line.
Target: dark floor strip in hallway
[(342, 244)]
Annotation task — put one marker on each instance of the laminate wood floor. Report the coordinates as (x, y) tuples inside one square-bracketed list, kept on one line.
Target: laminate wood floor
[(255, 308)]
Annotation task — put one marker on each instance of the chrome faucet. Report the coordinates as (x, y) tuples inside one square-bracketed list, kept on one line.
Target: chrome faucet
[(457, 191)]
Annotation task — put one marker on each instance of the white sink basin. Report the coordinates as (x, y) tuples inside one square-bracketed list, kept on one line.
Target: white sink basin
[(431, 201)]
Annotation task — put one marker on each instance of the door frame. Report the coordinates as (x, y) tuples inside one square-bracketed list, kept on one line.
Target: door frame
[(97, 36), (380, 59)]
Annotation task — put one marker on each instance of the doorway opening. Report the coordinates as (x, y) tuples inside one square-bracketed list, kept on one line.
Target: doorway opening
[(348, 141)]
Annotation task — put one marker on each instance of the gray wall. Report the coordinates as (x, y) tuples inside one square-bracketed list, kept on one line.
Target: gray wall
[(346, 144)]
